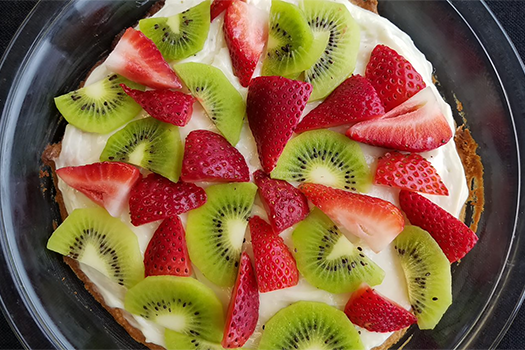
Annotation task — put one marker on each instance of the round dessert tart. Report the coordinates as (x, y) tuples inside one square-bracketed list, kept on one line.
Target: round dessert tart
[(264, 174)]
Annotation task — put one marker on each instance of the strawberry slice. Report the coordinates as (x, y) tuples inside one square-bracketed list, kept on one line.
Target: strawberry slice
[(243, 311), (275, 266), (368, 309), (274, 106), (137, 58), (374, 220), (108, 184), (172, 107), (452, 235), (210, 157), (284, 203), (218, 6), (245, 31), (393, 77), (409, 172), (167, 253), (353, 101), (155, 197), (417, 125)]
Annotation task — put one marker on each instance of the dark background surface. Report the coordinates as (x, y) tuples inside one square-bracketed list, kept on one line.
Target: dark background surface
[(510, 13)]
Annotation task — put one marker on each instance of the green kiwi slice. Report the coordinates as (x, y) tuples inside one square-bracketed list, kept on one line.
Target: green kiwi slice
[(291, 48), (181, 304), (310, 325), (95, 238), (149, 143), (215, 231), (179, 36), (178, 341), (100, 107), (428, 276), (324, 157), (221, 101), (335, 28), (327, 259)]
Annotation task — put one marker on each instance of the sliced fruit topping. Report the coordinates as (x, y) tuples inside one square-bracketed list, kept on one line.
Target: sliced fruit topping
[(338, 34), (427, 272), (275, 266), (326, 157), (100, 107), (417, 125), (393, 76), (310, 325), (210, 157), (218, 6), (452, 235), (243, 311), (167, 253), (409, 172), (108, 184), (155, 198), (149, 143), (245, 31), (221, 101), (178, 341), (372, 311), (105, 243), (181, 35), (274, 107), (137, 58), (181, 304), (172, 107), (290, 49), (353, 101), (215, 231), (327, 259), (374, 220), (284, 204)]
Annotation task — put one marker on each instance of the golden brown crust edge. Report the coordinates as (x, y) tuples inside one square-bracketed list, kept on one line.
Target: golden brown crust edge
[(465, 145)]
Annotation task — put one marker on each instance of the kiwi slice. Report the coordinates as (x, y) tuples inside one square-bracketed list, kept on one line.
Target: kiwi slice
[(335, 29), (179, 36), (427, 272), (97, 239), (178, 341), (221, 101), (327, 259), (310, 325), (324, 157), (149, 143), (182, 304), (100, 107), (215, 231), (291, 48)]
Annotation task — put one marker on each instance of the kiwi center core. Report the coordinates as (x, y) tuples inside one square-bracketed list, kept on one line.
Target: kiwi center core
[(96, 91), (236, 230), (173, 322), (341, 248), (91, 257), (323, 175), (174, 24), (137, 155)]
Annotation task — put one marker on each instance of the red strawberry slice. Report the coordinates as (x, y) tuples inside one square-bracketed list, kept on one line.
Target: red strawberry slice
[(137, 58), (243, 311), (217, 6), (274, 106), (275, 266), (210, 157), (353, 101), (374, 220), (172, 107), (368, 309), (108, 184), (167, 253), (284, 203), (155, 197), (392, 76), (417, 125), (409, 172), (245, 31), (452, 235)]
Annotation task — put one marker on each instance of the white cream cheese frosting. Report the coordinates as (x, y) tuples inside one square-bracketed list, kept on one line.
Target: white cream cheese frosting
[(80, 148)]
